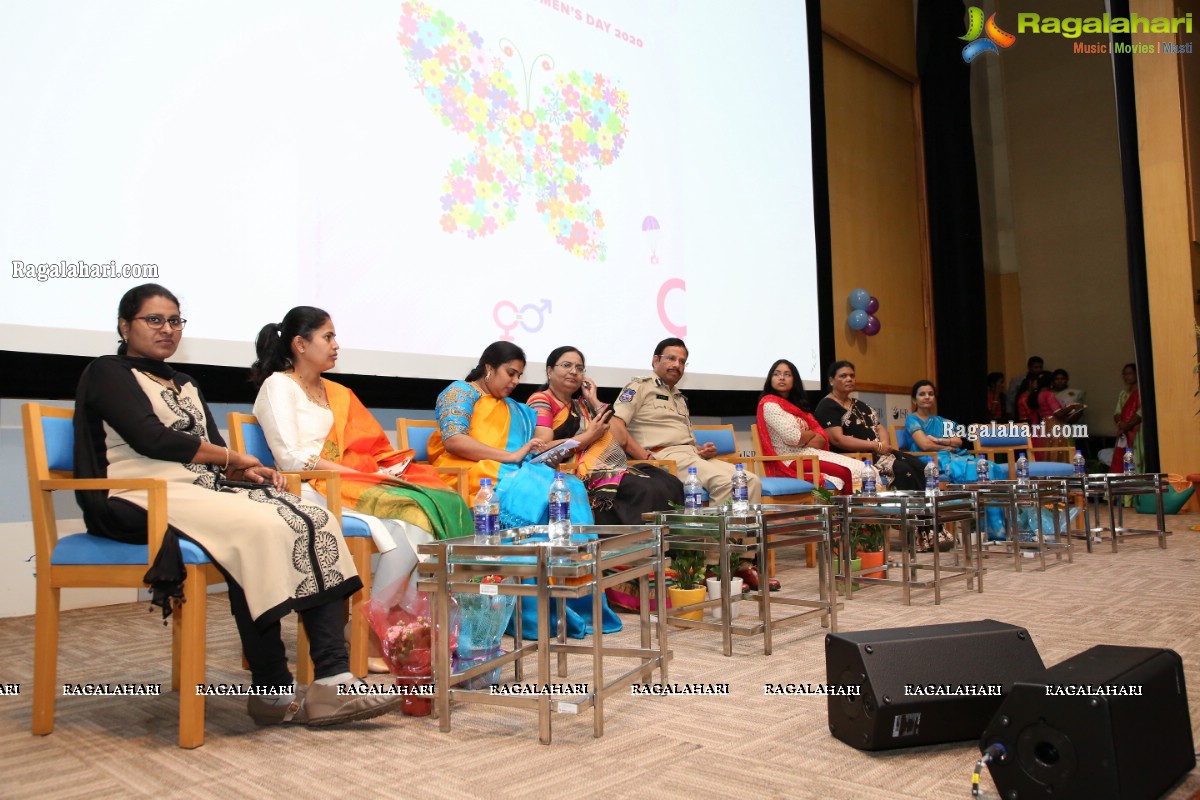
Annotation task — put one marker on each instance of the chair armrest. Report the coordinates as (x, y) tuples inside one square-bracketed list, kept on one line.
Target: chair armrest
[(1068, 452), (1009, 451), (760, 460), (460, 480), (668, 464), (333, 487), (156, 502), (812, 468), (90, 484)]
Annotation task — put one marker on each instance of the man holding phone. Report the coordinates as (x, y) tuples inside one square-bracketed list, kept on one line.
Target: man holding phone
[(650, 420)]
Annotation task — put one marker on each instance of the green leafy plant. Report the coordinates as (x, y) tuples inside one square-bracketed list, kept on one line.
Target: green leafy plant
[(689, 568), (864, 538)]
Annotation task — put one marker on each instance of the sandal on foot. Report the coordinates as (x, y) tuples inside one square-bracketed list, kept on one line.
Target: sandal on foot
[(326, 705), (264, 712)]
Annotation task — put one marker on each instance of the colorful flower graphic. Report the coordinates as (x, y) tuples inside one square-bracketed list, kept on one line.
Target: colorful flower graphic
[(576, 122)]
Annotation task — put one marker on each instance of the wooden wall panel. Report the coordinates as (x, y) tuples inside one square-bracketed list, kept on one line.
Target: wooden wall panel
[(1169, 248), (881, 29), (876, 198)]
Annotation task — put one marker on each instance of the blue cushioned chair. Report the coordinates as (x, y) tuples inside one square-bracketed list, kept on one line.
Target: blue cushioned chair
[(85, 560), (246, 436), (903, 440), (1039, 466), (413, 434), (775, 491)]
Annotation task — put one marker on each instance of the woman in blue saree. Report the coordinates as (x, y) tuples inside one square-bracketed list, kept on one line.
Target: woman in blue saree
[(931, 432), (481, 428)]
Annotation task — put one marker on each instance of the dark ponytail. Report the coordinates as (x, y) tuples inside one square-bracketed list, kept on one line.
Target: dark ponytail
[(131, 304), (273, 346), (494, 355)]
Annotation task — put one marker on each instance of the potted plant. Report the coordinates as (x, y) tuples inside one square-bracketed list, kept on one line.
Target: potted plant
[(688, 588), (824, 497), (713, 581), (866, 541)]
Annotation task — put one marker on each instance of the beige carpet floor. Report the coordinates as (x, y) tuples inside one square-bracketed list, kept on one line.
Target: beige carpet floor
[(742, 745)]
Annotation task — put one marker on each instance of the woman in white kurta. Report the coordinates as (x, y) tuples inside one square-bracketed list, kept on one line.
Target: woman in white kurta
[(137, 417), (313, 423)]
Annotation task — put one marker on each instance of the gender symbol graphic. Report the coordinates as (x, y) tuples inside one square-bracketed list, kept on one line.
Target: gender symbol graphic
[(508, 316)]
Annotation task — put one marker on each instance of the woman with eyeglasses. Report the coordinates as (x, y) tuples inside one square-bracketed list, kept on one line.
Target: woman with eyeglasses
[(312, 422), (137, 417), (481, 428), (567, 408), (787, 427)]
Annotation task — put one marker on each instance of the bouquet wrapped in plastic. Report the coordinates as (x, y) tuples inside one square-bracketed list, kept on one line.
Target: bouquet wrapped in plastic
[(402, 618), (483, 619)]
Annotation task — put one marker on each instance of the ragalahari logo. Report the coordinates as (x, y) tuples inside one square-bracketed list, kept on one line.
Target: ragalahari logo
[(996, 38)]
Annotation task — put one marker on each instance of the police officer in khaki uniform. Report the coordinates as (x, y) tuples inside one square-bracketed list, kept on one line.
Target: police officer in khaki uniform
[(651, 420)]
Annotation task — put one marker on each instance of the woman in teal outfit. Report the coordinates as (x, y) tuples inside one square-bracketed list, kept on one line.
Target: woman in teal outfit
[(932, 432), (481, 428)]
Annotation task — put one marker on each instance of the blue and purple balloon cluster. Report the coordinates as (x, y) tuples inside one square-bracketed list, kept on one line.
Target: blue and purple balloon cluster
[(863, 318)]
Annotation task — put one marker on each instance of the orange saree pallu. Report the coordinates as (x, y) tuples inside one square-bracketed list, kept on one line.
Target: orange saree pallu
[(420, 497)]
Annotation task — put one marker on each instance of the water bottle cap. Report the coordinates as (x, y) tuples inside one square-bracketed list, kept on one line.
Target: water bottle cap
[(557, 475), (485, 482), (691, 470), (738, 467)]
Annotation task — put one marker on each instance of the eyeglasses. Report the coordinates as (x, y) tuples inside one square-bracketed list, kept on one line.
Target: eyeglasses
[(778, 374), (567, 366), (674, 360), (156, 321)]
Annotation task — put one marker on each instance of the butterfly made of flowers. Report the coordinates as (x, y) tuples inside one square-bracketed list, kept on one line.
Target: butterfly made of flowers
[(579, 122)]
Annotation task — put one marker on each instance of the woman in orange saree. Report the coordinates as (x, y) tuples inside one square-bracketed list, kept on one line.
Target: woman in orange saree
[(481, 428)]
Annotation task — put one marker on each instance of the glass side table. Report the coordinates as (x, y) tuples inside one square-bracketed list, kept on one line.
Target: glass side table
[(1113, 488), (556, 573), (912, 512), (1043, 494), (765, 529)]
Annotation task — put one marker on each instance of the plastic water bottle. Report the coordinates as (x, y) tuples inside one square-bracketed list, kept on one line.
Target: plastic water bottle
[(560, 510), (870, 478), (983, 470), (1022, 470), (1129, 468), (931, 479), (486, 511), (741, 490), (693, 497), (1078, 463)]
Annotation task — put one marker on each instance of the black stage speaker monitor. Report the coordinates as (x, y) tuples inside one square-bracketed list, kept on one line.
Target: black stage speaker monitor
[(1112, 722), (925, 684)]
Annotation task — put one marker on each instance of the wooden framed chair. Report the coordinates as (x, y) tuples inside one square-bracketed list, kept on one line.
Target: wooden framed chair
[(246, 436), (413, 434), (779, 490), (774, 490), (1039, 466), (904, 441), (86, 560)]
